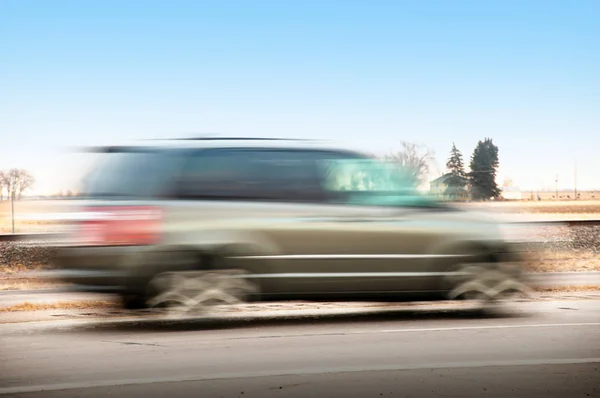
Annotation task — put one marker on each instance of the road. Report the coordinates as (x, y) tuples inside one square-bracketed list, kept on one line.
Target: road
[(548, 349)]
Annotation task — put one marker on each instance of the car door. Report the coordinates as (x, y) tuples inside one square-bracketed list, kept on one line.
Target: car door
[(363, 239), (258, 205)]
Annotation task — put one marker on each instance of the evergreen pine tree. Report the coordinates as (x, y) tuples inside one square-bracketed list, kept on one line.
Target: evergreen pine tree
[(456, 179), (484, 165)]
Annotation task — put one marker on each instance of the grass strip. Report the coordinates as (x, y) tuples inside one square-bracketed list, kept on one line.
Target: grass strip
[(71, 305)]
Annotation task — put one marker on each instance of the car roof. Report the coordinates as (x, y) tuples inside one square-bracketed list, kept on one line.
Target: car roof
[(224, 143)]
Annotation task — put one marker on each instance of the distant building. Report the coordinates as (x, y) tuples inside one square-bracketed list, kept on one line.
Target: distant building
[(511, 193), (439, 189)]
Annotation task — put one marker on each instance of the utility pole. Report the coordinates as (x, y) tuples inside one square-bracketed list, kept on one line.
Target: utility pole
[(575, 179), (556, 181), (12, 202)]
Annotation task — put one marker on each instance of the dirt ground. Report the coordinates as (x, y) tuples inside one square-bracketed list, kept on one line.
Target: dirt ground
[(581, 208), (563, 261), (547, 261), (589, 207), (22, 283)]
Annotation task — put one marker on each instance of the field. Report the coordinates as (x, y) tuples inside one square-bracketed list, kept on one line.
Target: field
[(30, 216), (580, 207), (563, 261), (37, 216), (15, 259)]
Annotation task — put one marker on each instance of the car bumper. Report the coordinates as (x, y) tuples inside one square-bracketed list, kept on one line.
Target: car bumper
[(96, 281), (95, 269)]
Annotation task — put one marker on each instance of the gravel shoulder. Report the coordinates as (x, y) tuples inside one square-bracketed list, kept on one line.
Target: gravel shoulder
[(90, 307)]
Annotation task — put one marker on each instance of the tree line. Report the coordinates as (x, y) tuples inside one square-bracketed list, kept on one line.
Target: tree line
[(14, 182), (480, 181), (414, 162)]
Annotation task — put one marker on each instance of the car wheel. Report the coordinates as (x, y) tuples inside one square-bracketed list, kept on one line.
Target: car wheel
[(190, 293), (133, 302), (492, 287)]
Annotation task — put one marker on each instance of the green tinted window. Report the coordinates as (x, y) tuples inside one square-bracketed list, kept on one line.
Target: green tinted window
[(362, 175), (369, 181)]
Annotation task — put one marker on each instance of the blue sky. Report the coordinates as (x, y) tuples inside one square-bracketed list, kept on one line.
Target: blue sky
[(364, 74)]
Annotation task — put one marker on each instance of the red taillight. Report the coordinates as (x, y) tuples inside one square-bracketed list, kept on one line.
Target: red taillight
[(120, 226)]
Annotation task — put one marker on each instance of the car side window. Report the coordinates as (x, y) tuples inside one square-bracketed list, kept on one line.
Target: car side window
[(251, 174), (364, 181), (361, 175), (132, 174)]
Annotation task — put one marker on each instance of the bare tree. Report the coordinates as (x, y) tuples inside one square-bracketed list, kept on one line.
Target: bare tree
[(415, 162), (19, 180)]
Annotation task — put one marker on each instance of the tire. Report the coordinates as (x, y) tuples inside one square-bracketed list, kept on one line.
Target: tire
[(491, 286), (133, 302), (199, 292), (144, 267)]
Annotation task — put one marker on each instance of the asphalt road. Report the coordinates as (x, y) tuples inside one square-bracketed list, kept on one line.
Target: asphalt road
[(550, 349)]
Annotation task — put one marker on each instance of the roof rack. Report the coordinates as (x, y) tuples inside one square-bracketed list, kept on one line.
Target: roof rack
[(228, 139), (143, 148), (115, 149)]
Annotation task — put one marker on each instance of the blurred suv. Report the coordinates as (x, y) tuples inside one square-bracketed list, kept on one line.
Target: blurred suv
[(197, 221)]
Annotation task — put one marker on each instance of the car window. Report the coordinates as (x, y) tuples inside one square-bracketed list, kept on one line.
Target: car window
[(251, 174), (131, 175), (367, 181), (366, 175)]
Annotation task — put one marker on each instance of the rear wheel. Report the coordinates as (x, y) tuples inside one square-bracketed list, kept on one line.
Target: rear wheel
[(190, 293), (133, 301)]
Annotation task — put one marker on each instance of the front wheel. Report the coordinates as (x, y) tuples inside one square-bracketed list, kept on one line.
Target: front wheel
[(491, 286)]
